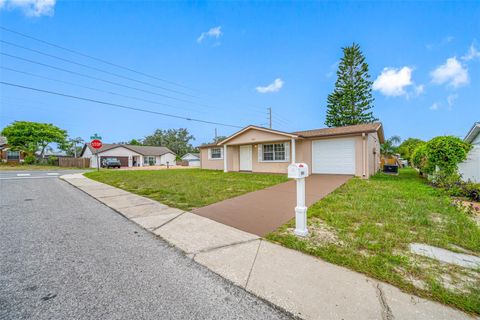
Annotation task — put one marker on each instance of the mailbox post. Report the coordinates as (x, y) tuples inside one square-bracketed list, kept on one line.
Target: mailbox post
[(299, 171)]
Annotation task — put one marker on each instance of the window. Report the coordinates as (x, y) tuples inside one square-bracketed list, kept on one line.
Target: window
[(275, 152), (149, 160), (216, 153), (13, 155)]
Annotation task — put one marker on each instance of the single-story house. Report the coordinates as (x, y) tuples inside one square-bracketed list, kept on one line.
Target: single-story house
[(352, 150), (193, 159), (129, 155), (470, 168), (8, 155)]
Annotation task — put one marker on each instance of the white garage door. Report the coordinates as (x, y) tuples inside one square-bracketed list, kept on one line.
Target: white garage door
[(333, 156)]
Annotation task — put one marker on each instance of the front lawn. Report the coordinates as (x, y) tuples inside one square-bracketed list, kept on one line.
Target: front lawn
[(188, 188), (367, 226)]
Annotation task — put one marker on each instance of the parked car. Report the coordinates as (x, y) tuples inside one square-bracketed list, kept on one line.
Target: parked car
[(111, 163)]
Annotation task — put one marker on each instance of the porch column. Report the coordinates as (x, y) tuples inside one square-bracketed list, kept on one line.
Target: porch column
[(225, 169), (293, 150)]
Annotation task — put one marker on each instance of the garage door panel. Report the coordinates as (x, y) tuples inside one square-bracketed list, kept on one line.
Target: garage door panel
[(335, 156)]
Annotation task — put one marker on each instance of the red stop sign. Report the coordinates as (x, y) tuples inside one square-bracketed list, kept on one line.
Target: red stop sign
[(96, 144)]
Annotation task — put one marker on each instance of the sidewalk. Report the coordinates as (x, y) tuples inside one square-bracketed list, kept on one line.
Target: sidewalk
[(305, 286)]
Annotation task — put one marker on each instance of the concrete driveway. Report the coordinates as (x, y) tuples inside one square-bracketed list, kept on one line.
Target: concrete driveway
[(263, 211)]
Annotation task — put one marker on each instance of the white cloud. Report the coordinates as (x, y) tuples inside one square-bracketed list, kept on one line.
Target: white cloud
[(392, 81), (451, 99), (434, 106), (420, 89), (452, 72), (31, 8), (215, 32), (275, 86), (472, 53)]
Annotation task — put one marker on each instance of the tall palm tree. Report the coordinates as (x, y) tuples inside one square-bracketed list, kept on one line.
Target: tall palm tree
[(389, 147)]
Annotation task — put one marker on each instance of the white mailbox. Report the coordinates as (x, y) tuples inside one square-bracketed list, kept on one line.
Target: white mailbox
[(298, 170)]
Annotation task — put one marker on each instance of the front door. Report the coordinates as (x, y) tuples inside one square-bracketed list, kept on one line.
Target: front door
[(246, 158)]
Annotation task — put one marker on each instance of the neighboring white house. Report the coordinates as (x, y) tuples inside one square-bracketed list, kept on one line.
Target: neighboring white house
[(193, 159), (470, 168), (130, 155)]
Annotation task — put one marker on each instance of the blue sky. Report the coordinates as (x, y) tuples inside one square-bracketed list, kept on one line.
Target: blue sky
[(235, 59)]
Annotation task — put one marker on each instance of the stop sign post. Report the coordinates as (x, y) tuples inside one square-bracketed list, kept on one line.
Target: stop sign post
[(96, 144)]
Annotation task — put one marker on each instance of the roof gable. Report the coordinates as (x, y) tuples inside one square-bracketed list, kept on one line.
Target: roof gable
[(473, 133), (143, 150), (254, 134)]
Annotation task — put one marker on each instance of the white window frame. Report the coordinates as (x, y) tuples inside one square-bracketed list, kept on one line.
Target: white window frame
[(286, 146), (147, 162), (210, 153)]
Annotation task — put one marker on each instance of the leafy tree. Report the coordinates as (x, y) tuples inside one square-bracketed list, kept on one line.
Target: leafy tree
[(407, 147), (351, 100), (73, 146), (31, 137), (420, 158), (135, 142), (446, 152), (389, 147), (177, 140)]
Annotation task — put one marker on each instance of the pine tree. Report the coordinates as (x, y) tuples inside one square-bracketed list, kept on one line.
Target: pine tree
[(351, 101)]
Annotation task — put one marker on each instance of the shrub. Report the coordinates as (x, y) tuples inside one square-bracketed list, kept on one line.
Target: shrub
[(407, 147), (420, 159), (29, 159), (472, 191), (446, 152), (52, 160)]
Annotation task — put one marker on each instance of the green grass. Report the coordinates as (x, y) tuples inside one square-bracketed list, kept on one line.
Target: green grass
[(29, 167), (369, 225), (187, 188)]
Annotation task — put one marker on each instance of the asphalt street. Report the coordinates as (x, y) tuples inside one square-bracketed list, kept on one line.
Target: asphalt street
[(34, 174), (63, 255)]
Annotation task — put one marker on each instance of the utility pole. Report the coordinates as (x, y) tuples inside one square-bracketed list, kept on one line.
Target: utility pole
[(215, 135), (269, 117)]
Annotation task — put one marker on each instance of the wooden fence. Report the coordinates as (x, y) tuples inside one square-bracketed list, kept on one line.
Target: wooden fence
[(74, 162)]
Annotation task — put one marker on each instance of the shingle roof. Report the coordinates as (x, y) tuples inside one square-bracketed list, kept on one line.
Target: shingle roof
[(324, 132), (354, 129), (207, 145), (143, 150)]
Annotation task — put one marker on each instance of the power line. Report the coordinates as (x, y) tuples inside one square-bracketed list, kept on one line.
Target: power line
[(116, 105), (94, 78), (94, 89), (94, 68), (256, 109), (104, 91), (93, 58)]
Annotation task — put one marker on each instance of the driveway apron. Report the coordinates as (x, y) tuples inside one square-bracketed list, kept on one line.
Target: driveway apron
[(263, 211)]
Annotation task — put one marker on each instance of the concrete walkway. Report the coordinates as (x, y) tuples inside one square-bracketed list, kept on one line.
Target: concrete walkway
[(263, 211), (303, 285)]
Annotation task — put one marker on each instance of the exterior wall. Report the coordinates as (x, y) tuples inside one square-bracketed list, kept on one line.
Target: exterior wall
[(303, 154), (470, 168), (233, 158), (116, 152), (373, 154), (205, 163), (168, 157)]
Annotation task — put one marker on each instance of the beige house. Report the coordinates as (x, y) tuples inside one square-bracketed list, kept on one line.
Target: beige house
[(351, 150)]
